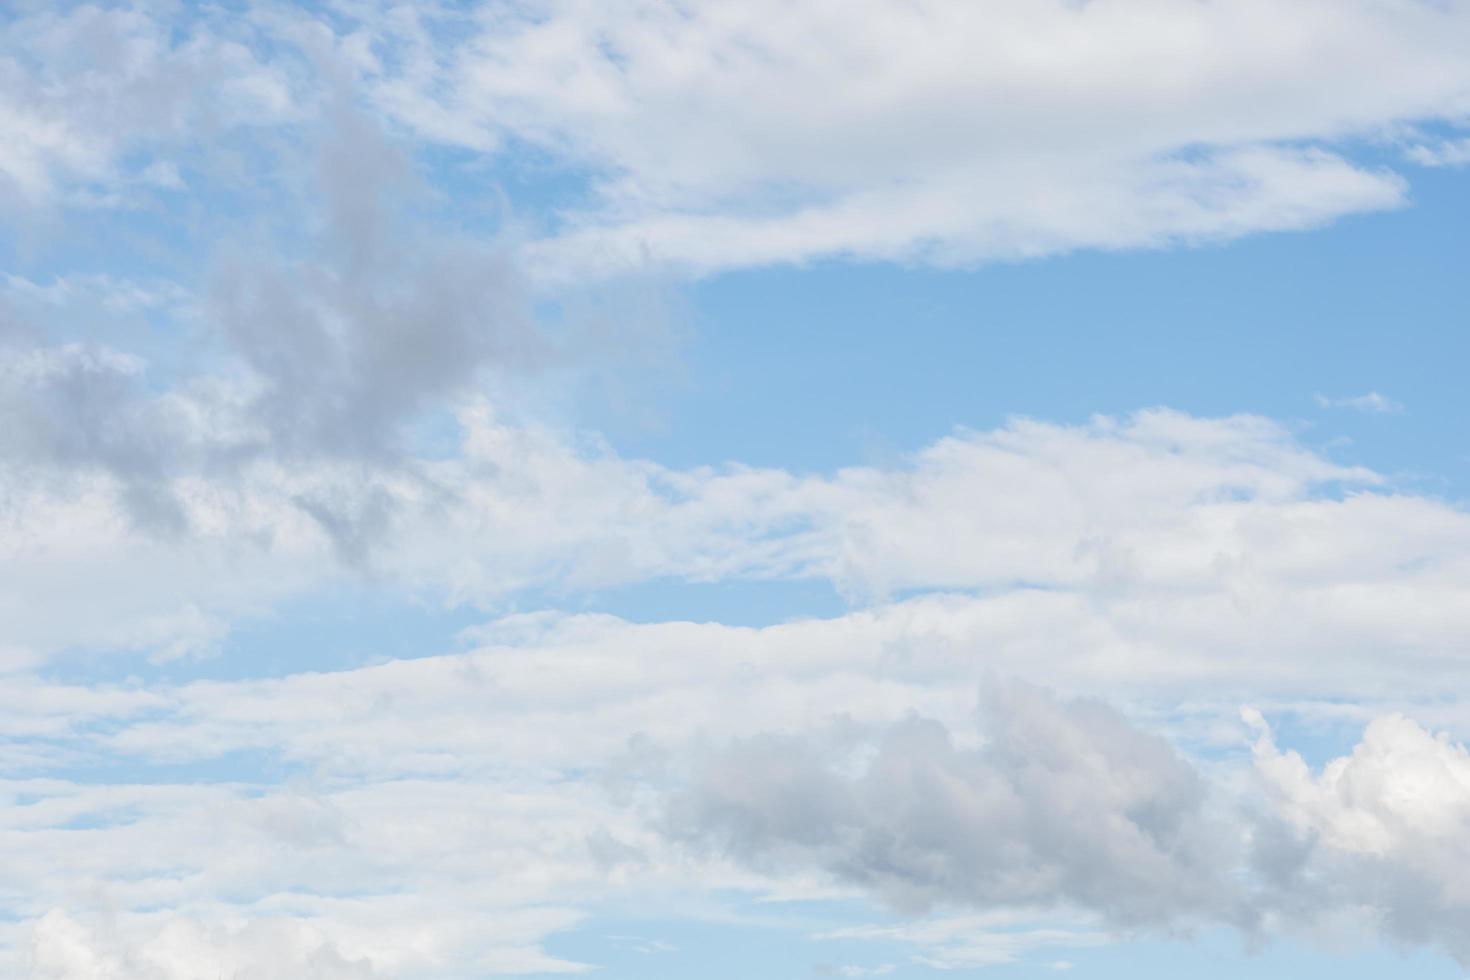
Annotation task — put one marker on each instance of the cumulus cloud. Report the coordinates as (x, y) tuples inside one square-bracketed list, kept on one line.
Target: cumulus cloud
[(441, 826), (1385, 829), (1063, 804)]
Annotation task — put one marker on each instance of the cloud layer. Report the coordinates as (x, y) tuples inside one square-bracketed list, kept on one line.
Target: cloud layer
[(717, 135), (741, 134), (270, 330)]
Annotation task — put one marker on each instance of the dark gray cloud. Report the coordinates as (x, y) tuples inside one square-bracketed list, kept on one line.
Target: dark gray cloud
[(1064, 804)]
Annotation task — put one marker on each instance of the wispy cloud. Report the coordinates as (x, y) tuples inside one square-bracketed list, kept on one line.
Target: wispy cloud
[(1444, 153), (1372, 403)]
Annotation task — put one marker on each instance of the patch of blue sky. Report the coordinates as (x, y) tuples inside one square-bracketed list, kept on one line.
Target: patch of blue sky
[(753, 603), (351, 626), (362, 623), (838, 363), (793, 941), (521, 189), (94, 767)]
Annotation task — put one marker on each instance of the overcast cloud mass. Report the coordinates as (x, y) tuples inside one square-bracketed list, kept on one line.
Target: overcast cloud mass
[(414, 563)]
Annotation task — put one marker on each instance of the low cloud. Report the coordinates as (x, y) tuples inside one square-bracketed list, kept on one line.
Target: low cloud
[(1385, 828), (1062, 804), (1065, 808), (182, 948)]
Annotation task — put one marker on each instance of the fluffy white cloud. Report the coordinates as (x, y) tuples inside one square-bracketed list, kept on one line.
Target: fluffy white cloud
[(1385, 829)]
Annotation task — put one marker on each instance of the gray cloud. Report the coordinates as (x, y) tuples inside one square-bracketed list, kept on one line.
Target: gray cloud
[(356, 340), (333, 354), (86, 406), (1065, 803)]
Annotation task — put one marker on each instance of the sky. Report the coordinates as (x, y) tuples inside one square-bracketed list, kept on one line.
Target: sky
[(651, 489)]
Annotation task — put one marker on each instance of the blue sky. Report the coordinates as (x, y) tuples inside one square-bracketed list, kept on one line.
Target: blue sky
[(734, 490)]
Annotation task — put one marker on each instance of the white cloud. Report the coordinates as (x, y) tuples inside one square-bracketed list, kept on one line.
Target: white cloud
[(852, 970), (88, 90), (1156, 547), (361, 866), (400, 878), (1373, 403), (521, 780), (729, 134), (184, 949), (420, 818), (1443, 153), (961, 942), (1386, 828)]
